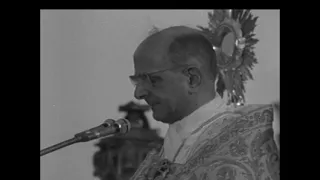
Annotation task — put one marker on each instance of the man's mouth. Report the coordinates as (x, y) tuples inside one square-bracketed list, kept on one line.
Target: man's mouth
[(154, 104)]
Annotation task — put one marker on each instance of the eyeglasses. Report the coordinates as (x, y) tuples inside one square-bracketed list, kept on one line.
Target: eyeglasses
[(147, 79)]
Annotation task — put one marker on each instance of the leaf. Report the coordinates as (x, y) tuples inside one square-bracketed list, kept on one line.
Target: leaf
[(213, 20), (205, 30), (250, 35), (213, 26), (249, 25), (248, 73), (220, 85), (252, 41), (240, 14), (237, 78), (243, 88), (210, 15), (218, 15), (243, 71), (244, 78), (235, 14), (249, 61), (247, 52), (244, 17)]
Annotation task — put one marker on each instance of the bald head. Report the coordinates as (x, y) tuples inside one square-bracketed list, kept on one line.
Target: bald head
[(177, 45)]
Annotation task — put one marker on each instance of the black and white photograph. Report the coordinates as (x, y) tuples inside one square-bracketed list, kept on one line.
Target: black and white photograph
[(159, 94)]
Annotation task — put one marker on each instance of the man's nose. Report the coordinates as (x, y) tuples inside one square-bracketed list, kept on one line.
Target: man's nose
[(140, 92)]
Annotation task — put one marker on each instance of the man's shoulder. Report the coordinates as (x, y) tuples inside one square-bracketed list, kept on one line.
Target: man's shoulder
[(245, 116), (238, 140), (247, 109), (242, 120)]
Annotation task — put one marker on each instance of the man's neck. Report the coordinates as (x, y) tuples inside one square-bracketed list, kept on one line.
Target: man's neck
[(200, 101), (203, 99)]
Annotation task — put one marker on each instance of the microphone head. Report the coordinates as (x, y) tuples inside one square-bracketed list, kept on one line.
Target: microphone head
[(108, 122), (124, 125)]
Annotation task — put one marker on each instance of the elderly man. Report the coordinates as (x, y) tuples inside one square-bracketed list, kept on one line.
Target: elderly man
[(175, 73)]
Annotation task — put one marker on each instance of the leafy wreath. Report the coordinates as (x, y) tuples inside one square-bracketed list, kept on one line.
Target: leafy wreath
[(231, 33)]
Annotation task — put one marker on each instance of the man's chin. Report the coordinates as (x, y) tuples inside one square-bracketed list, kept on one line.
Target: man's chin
[(159, 117), (163, 117)]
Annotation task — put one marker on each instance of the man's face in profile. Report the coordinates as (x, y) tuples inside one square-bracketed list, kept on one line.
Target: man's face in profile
[(160, 84)]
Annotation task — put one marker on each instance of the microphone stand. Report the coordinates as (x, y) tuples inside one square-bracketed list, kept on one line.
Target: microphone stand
[(105, 130), (81, 137), (60, 145)]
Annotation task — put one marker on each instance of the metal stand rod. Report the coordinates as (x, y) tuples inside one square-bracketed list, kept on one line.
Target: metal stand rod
[(59, 146)]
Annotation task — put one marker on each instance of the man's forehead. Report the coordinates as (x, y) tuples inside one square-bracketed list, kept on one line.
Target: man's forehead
[(151, 54)]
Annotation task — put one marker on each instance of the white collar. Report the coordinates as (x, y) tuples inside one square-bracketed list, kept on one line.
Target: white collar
[(188, 124)]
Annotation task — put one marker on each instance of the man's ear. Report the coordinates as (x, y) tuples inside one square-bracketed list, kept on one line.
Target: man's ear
[(194, 77)]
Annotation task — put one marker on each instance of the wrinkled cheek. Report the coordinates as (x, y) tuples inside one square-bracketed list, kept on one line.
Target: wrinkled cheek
[(167, 103)]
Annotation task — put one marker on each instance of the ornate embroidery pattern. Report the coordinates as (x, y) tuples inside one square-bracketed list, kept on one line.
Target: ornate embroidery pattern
[(225, 167), (235, 142), (141, 172), (242, 148), (226, 173), (231, 130), (239, 148)]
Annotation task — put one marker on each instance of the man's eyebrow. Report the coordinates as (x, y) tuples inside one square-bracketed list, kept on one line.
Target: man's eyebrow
[(137, 74), (134, 75), (156, 75), (140, 73)]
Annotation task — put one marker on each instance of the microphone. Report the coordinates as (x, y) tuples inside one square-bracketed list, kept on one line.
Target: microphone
[(91, 131), (110, 127)]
